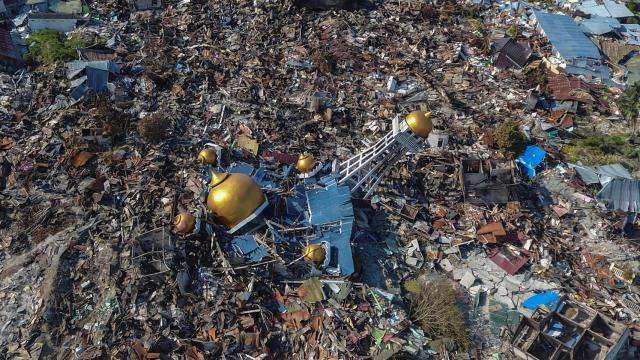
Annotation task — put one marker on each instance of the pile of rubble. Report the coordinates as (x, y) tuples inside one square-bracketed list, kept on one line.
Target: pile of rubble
[(260, 179)]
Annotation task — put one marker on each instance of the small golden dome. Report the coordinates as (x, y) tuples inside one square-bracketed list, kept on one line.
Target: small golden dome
[(314, 253), (185, 223), (233, 197), (305, 163), (420, 123), (207, 156)]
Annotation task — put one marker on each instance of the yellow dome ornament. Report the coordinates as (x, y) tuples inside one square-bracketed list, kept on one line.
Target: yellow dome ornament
[(314, 253), (420, 123), (306, 163), (207, 156), (234, 199), (185, 223)]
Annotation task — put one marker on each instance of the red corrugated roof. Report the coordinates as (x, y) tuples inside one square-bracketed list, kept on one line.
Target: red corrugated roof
[(507, 260), (562, 87)]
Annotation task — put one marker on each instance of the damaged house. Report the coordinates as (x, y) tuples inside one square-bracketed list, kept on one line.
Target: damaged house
[(488, 181), (569, 43), (573, 95), (568, 331)]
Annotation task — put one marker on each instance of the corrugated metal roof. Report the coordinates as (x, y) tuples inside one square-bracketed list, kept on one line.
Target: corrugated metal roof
[(566, 37), (333, 204), (601, 174), (247, 246), (75, 67), (591, 7), (97, 79), (621, 194), (613, 171), (606, 8), (598, 25), (630, 33), (617, 9), (590, 71), (79, 92)]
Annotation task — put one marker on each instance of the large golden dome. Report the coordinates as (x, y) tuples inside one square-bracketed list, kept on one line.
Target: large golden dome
[(420, 123), (306, 163), (233, 197)]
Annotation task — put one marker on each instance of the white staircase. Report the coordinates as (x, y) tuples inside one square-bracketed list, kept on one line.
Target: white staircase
[(365, 170)]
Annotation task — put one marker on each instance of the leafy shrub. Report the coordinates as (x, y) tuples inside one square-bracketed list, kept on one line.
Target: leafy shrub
[(510, 139)]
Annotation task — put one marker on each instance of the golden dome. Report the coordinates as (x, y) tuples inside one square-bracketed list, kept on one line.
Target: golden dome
[(207, 156), (314, 253), (233, 197), (420, 123), (305, 163), (185, 223)]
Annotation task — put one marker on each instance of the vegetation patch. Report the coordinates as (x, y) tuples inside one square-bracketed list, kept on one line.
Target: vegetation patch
[(601, 149), (48, 47)]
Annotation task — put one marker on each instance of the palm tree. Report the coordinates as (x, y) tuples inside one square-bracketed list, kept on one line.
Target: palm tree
[(629, 104)]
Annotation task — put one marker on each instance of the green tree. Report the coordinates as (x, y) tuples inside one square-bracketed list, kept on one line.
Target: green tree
[(629, 104), (511, 140)]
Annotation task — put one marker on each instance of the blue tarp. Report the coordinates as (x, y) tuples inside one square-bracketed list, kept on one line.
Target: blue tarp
[(548, 298), (566, 37), (530, 159)]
